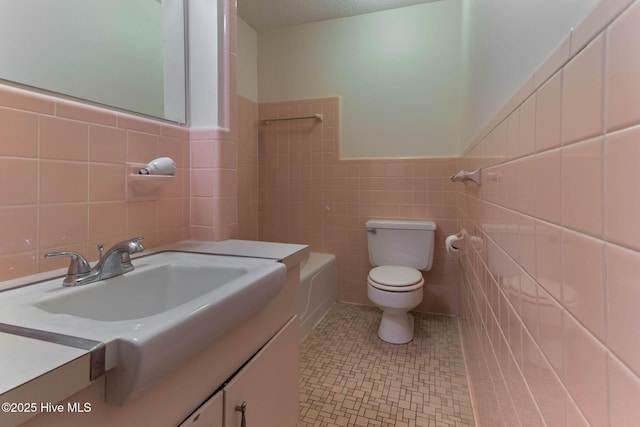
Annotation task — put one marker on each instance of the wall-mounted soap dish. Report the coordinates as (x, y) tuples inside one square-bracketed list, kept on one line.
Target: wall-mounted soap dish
[(144, 187)]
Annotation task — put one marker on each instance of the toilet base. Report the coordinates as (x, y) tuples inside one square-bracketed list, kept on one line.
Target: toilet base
[(396, 327)]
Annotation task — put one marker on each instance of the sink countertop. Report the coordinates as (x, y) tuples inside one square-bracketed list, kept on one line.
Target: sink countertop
[(288, 254), (23, 356), (30, 379), (28, 376)]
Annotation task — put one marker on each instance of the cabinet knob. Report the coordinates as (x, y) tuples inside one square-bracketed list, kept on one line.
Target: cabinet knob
[(242, 408)]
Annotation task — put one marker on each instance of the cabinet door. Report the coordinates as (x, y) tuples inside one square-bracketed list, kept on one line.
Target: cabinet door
[(268, 384), (209, 414)]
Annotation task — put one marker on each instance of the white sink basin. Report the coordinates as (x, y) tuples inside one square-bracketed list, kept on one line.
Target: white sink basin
[(143, 292), (169, 308)]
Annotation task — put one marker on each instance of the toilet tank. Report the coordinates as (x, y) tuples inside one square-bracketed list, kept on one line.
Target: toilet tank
[(399, 242)]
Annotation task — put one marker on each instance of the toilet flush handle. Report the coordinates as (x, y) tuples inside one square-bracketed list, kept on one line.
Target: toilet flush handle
[(372, 230)]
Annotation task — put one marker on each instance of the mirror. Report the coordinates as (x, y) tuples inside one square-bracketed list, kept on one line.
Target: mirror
[(127, 54)]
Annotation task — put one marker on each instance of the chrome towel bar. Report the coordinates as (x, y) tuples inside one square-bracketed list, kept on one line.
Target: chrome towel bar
[(314, 116)]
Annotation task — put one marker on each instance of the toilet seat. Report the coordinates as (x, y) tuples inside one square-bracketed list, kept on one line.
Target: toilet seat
[(393, 278)]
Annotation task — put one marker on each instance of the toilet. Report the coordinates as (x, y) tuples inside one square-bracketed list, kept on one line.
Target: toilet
[(398, 250)]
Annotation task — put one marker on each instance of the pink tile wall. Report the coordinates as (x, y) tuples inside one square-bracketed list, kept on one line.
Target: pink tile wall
[(62, 180), (214, 184), (247, 169), (62, 175), (549, 301), (214, 152), (308, 195)]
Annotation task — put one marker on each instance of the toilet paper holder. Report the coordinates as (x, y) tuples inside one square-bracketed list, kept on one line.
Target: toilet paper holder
[(465, 177), (455, 242)]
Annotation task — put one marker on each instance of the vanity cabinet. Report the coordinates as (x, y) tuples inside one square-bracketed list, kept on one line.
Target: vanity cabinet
[(209, 414), (267, 386), (255, 362)]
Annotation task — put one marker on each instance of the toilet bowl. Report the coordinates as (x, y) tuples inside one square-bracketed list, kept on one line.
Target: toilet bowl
[(395, 290), (399, 250)]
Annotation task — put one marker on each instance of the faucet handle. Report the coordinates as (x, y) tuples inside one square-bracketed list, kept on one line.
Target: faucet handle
[(77, 265), (100, 251)]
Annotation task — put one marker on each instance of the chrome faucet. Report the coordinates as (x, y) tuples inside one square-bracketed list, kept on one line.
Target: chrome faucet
[(115, 262)]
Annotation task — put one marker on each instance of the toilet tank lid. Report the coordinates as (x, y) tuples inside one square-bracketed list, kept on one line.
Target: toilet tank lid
[(401, 224)]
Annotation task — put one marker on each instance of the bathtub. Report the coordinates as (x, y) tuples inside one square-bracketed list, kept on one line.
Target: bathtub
[(319, 287)]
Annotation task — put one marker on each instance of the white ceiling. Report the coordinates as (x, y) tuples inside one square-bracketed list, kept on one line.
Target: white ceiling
[(264, 15)]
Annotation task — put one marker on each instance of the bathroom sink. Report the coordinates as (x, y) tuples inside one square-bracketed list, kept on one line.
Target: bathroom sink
[(173, 305), (143, 292)]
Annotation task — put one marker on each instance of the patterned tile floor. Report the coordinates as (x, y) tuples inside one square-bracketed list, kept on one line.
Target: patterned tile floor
[(349, 377)]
